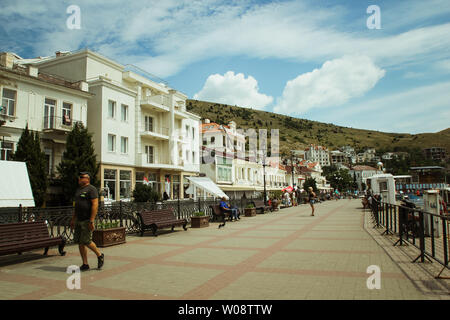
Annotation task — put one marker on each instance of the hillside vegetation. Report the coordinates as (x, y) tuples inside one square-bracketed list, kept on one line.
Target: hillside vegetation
[(297, 133)]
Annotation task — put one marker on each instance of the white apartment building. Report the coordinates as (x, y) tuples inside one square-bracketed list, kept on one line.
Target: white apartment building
[(48, 104), (317, 154), (362, 173), (140, 127)]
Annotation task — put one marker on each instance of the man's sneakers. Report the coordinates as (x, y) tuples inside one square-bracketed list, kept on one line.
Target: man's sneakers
[(84, 267), (101, 261)]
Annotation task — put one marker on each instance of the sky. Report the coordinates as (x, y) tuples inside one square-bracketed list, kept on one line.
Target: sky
[(383, 68)]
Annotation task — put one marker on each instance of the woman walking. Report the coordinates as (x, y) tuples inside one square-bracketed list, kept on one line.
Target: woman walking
[(311, 197)]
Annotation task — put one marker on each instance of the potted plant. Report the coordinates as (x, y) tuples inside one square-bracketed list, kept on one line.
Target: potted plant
[(108, 234), (199, 220), (250, 210)]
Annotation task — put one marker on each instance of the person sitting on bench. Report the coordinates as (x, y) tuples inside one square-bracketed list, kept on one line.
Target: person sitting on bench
[(225, 207)]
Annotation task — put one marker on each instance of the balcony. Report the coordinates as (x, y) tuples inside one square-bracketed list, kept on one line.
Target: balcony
[(58, 124), (158, 162), (159, 103), (161, 133)]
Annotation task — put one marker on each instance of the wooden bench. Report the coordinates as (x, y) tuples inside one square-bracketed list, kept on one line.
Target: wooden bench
[(159, 219), (219, 214), (27, 236), (259, 205)]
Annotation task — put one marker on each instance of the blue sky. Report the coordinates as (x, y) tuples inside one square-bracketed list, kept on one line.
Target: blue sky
[(311, 59)]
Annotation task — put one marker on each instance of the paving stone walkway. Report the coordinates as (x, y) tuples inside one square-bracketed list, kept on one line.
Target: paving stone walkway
[(284, 255)]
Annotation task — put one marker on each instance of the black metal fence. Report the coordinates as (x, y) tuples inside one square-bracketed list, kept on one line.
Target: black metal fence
[(426, 231), (122, 213)]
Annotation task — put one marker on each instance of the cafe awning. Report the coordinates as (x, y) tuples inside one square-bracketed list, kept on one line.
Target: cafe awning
[(205, 184), (15, 188)]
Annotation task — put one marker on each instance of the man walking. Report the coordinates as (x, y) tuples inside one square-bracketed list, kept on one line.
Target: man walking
[(86, 206)]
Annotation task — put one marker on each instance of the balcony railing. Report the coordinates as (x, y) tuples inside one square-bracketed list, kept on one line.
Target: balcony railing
[(158, 130), (157, 101), (58, 123)]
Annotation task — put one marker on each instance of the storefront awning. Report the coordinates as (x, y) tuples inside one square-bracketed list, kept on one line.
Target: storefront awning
[(206, 184), (17, 191)]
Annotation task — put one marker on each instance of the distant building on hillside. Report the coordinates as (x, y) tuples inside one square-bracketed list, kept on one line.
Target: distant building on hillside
[(435, 154), (318, 154)]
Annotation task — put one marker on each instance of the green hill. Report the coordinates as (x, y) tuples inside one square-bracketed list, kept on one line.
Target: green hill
[(297, 133)]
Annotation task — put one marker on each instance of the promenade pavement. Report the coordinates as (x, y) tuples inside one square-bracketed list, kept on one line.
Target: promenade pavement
[(284, 255)]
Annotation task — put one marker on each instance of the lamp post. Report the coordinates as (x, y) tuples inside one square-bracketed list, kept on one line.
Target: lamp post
[(263, 156)]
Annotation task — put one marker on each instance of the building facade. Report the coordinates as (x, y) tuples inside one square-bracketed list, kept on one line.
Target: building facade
[(47, 104), (140, 127), (318, 154)]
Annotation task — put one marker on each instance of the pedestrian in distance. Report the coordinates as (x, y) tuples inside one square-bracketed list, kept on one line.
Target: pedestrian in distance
[(86, 207), (311, 199)]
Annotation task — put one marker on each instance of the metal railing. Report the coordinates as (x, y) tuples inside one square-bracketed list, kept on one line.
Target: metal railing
[(426, 231), (123, 213)]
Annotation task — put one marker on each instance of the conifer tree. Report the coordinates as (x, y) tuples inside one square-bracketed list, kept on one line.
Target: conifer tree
[(78, 157), (29, 151)]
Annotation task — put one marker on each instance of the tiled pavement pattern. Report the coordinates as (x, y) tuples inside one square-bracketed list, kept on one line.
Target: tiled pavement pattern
[(285, 255)]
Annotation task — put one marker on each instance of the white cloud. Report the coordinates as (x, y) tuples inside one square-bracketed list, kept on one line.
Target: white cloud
[(421, 109), (443, 65), (179, 33), (335, 83), (233, 89)]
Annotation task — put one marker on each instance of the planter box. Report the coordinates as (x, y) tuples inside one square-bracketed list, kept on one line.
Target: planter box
[(250, 212), (108, 237), (199, 222)]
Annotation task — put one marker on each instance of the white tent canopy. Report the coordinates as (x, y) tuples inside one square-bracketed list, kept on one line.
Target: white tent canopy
[(205, 184), (15, 188)]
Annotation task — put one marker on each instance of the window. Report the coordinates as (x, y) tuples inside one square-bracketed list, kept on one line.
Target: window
[(148, 123), (8, 102), (111, 109), (124, 144), (193, 157), (125, 184), (187, 131), (149, 154), (140, 177), (213, 139), (124, 113), (111, 143), (6, 149), (204, 141), (187, 155), (67, 114), (49, 158), (176, 186), (109, 182), (49, 113), (224, 141), (193, 133)]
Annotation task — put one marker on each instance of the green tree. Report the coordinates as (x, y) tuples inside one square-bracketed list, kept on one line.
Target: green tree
[(29, 151), (310, 182), (78, 157), (144, 193)]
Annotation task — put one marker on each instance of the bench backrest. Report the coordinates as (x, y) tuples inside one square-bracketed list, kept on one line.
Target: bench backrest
[(216, 209), (151, 216), (23, 231)]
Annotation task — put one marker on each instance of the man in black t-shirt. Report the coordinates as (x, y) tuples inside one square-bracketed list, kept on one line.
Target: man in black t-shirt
[(86, 206)]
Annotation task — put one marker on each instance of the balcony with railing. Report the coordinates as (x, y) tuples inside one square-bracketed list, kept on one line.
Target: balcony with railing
[(158, 133), (58, 124), (156, 161), (159, 103)]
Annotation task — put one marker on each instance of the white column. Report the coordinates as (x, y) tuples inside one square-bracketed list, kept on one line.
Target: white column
[(138, 124)]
